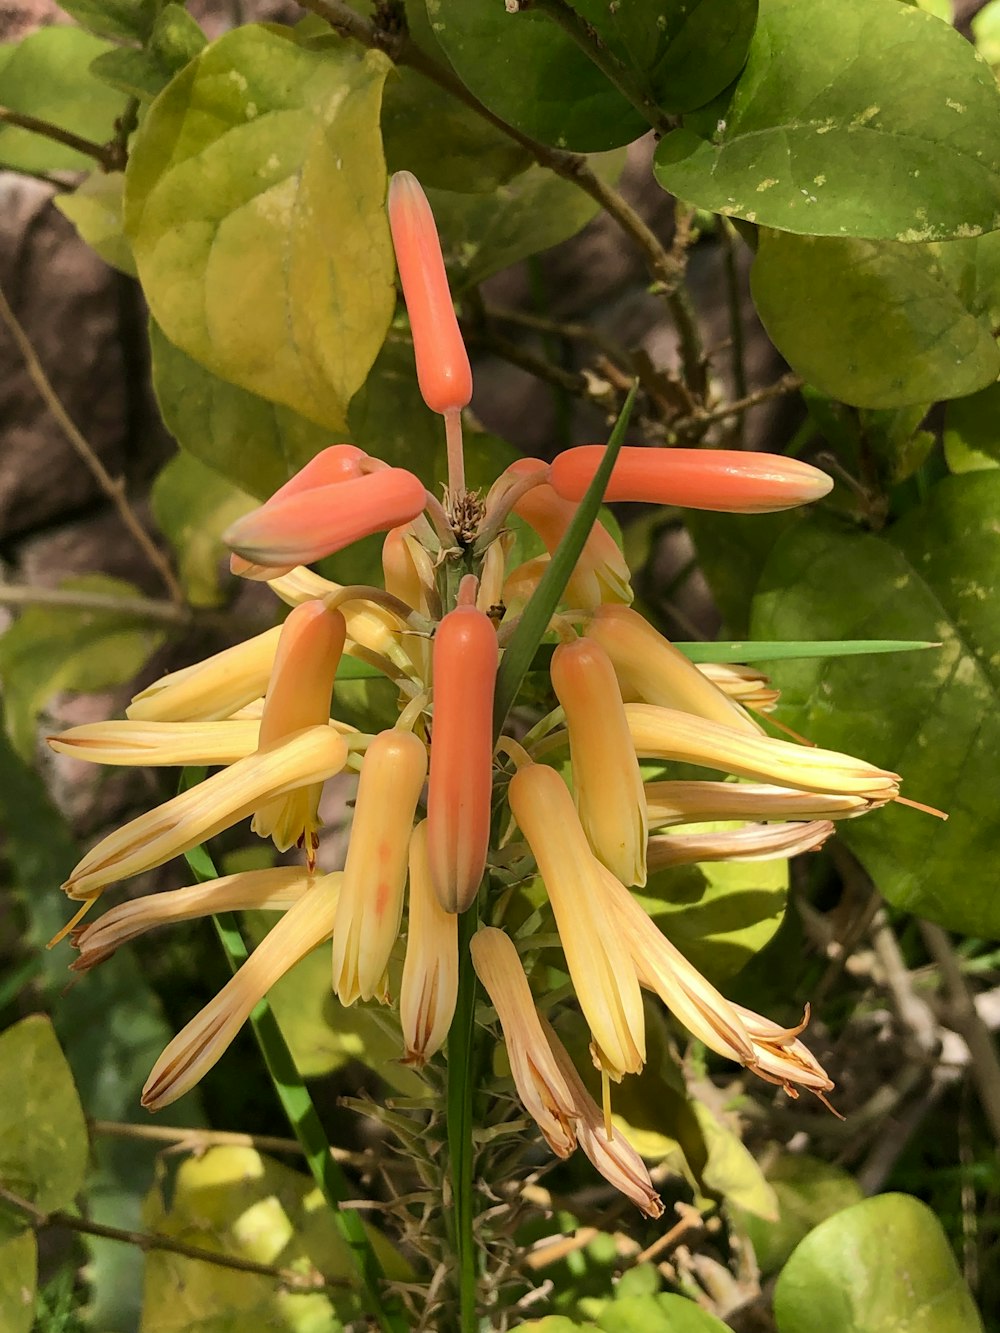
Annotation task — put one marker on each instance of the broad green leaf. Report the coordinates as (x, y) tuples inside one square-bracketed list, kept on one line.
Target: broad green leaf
[(131, 20), (556, 1323), (95, 210), (49, 649), (237, 1202), (255, 203), (879, 323), (255, 443), (193, 506), (732, 550), (881, 1266), (46, 76), (851, 118), (986, 32), (18, 1281), (972, 431), (175, 39), (533, 74), (43, 1135), (483, 233), (933, 716), (731, 1169), (664, 1313), (808, 1191)]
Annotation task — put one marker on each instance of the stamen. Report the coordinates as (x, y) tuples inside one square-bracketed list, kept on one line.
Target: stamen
[(606, 1103), (919, 805), (71, 924)]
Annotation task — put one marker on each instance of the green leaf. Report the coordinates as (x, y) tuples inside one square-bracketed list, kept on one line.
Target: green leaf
[(254, 200), (971, 431), (129, 19), (732, 550), (665, 1313), (483, 233), (731, 1169), (931, 717), (254, 443), (95, 210), (851, 118), (808, 1191), (46, 76), (878, 323), (881, 1266), (18, 1283), (773, 650), (175, 39), (43, 1134), (49, 649), (193, 506), (986, 32), (533, 74)]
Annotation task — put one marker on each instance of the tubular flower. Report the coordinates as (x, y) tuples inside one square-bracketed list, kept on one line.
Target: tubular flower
[(371, 901), (753, 842), (728, 481), (200, 812), (540, 1082), (745, 684), (461, 769), (212, 689), (649, 668), (159, 743), (606, 778), (196, 1048), (781, 1058), (604, 976), (430, 970), (310, 524), (665, 733), (701, 802), (298, 696), (408, 573)]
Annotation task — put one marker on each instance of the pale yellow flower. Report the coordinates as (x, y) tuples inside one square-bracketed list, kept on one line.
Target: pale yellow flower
[(211, 744), (753, 842), (214, 688), (702, 802), (430, 970), (745, 684)]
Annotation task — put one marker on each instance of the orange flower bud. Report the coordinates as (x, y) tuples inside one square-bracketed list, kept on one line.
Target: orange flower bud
[(461, 778), (443, 370), (310, 524), (430, 971), (726, 480), (606, 777)]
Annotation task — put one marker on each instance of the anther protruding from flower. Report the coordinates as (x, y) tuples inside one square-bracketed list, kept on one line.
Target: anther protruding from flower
[(779, 1057), (599, 963), (215, 688), (666, 733), (601, 573), (197, 1047), (728, 481), (298, 696), (649, 668), (669, 803), (461, 774), (200, 812), (371, 901), (260, 890), (745, 684), (310, 524), (615, 1158), (493, 573), (606, 778), (540, 1082), (755, 842), (443, 370), (429, 987), (159, 743)]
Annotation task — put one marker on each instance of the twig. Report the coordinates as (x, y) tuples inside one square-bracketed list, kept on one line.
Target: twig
[(113, 489), (568, 381), (154, 1240), (913, 1011), (567, 330), (727, 235), (789, 383), (99, 152), (143, 608), (198, 1140)]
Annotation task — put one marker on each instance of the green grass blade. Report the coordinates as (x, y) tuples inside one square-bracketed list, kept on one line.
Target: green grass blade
[(773, 650)]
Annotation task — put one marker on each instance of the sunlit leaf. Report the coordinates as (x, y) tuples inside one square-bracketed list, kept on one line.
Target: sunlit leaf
[(193, 506), (18, 1280), (95, 210), (808, 1191)]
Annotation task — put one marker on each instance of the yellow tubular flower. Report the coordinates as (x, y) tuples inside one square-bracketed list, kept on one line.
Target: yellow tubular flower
[(195, 1049), (491, 579), (159, 743), (754, 842), (540, 1082), (408, 573), (211, 689), (670, 803), (665, 733), (781, 1058), (651, 669), (215, 804), (615, 1158), (270, 890), (745, 684), (606, 777), (371, 903), (430, 971), (603, 974)]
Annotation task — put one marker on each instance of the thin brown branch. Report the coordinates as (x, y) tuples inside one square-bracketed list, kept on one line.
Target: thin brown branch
[(789, 383), (199, 1140), (99, 152), (568, 330), (114, 490), (142, 608), (154, 1240)]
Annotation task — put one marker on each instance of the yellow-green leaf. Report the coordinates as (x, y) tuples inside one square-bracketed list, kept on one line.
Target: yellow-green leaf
[(193, 506), (18, 1281)]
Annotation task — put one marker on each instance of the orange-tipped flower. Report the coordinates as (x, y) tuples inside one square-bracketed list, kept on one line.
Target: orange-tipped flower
[(371, 900), (728, 481), (606, 777), (430, 971), (443, 370), (461, 780), (310, 524)]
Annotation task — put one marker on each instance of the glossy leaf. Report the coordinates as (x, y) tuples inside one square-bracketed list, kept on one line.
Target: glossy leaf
[(95, 210), (174, 40), (851, 118), (664, 1313), (930, 716), (18, 1281), (879, 323), (808, 1191), (254, 201), (881, 1266), (131, 20), (972, 431)]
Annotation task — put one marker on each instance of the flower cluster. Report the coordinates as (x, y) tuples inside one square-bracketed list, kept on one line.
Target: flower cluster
[(442, 797)]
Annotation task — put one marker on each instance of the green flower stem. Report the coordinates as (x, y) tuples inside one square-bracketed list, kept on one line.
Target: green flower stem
[(462, 1076)]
